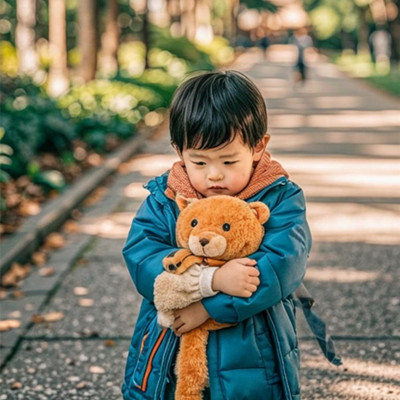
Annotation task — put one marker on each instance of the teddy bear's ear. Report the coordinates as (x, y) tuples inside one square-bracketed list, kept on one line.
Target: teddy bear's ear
[(183, 202), (260, 210)]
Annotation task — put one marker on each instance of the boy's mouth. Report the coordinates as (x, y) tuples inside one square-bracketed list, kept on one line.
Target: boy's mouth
[(217, 188)]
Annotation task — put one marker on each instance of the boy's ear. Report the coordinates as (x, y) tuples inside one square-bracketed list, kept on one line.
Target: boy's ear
[(260, 147), (260, 210), (183, 202)]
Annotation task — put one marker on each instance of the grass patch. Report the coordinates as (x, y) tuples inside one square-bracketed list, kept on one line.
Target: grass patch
[(382, 76)]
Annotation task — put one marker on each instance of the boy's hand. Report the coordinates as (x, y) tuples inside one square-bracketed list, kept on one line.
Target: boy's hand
[(189, 318), (237, 277)]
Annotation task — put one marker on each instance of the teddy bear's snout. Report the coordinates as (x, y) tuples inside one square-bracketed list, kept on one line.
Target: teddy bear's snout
[(207, 244)]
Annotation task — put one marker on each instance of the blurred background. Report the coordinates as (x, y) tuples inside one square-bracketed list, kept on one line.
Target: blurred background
[(80, 77)]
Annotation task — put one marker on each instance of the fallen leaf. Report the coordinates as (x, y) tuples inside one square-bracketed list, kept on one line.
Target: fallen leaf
[(81, 291), (95, 197), (54, 241), (47, 271), (15, 274), (82, 261), (39, 258), (109, 343), (81, 385), (94, 159), (49, 317), (71, 227), (37, 319), (94, 369), (86, 302), (15, 314), (28, 208), (18, 294), (7, 324), (16, 385)]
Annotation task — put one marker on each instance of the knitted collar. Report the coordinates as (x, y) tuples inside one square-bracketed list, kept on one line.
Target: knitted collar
[(265, 173)]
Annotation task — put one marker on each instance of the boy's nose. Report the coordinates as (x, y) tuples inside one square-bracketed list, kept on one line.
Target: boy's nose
[(215, 177)]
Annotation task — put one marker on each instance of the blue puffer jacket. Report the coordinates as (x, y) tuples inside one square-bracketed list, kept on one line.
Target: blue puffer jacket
[(244, 361)]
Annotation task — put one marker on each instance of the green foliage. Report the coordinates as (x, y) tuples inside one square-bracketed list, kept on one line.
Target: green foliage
[(219, 51), (326, 22), (332, 17), (102, 106), (8, 59), (31, 123), (182, 48), (261, 5), (361, 66)]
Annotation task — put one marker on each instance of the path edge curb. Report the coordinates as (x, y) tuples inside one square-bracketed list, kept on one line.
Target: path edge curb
[(20, 245)]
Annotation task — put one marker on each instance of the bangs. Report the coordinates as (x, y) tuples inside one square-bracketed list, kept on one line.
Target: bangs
[(211, 109)]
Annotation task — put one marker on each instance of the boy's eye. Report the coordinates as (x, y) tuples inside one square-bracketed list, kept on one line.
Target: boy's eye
[(193, 223), (230, 162), (199, 163), (226, 227)]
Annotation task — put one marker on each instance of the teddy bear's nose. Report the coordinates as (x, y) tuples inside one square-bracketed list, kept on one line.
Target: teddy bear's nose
[(203, 242)]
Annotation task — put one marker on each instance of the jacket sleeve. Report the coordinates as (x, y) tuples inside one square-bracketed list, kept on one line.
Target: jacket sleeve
[(281, 259), (149, 241)]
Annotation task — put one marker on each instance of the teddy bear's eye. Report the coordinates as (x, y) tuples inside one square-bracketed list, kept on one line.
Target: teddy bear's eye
[(194, 222), (226, 227)]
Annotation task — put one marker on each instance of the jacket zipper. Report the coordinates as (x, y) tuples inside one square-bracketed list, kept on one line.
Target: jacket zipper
[(285, 380), (149, 365), (165, 364)]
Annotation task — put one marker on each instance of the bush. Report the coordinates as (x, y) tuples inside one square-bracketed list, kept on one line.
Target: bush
[(31, 123)]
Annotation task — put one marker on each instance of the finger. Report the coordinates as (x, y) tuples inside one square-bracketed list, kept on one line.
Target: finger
[(181, 330), (253, 280), (247, 293), (177, 327), (246, 261), (251, 288), (253, 272)]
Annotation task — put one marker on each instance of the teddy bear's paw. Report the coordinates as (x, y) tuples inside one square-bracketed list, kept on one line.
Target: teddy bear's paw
[(188, 396), (165, 320)]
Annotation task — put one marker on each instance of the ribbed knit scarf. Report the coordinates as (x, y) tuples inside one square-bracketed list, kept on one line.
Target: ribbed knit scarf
[(265, 172)]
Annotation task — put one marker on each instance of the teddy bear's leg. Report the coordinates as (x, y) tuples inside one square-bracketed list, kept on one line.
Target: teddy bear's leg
[(191, 365)]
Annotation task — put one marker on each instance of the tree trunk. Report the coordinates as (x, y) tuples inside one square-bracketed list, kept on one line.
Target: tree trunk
[(25, 37), (234, 10), (146, 35), (188, 20), (174, 11), (87, 40), (363, 40), (110, 40), (204, 32), (394, 27), (58, 74)]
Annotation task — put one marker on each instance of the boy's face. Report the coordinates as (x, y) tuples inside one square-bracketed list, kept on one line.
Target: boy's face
[(222, 170)]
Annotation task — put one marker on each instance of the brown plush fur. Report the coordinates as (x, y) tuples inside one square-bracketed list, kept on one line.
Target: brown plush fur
[(212, 231)]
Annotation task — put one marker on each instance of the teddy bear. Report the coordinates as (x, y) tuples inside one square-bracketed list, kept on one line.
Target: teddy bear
[(210, 232)]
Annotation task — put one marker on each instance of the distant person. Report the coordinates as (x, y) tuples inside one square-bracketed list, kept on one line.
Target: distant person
[(302, 41), (263, 40), (381, 41)]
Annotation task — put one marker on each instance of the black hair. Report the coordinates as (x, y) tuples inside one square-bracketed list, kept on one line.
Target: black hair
[(209, 109)]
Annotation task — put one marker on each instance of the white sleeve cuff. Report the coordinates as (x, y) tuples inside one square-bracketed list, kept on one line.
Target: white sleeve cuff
[(205, 282)]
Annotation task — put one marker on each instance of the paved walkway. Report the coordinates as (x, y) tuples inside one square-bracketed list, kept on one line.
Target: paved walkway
[(340, 141)]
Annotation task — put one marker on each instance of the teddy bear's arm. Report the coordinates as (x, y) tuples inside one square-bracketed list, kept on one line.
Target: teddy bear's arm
[(173, 292), (180, 261)]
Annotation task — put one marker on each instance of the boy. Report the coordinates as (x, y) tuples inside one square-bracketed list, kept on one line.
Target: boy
[(218, 125)]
